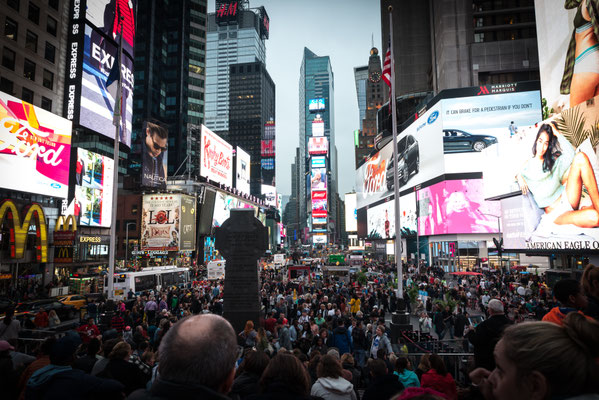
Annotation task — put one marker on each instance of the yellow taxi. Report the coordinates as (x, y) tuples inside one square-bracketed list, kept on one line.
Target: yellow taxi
[(75, 300)]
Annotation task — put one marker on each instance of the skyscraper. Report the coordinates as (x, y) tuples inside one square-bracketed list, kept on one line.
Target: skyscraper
[(236, 35), (170, 63), (361, 76), (318, 153)]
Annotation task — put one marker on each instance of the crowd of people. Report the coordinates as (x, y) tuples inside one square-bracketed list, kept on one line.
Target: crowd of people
[(322, 338)]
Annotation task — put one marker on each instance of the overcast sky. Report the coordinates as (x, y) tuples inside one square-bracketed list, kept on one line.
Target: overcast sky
[(341, 29)]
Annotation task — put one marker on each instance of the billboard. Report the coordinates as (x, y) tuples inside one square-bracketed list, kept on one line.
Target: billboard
[(420, 154), (92, 200), (381, 218), (160, 222), (316, 104), (319, 213), (19, 232), (35, 148), (318, 179), (319, 220), (113, 17), (269, 130), (270, 195), (267, 148), (223, 205), (317, 127), (242, 167), (217, 156), (97, 101), (188, 223), (154, 148), (351, 215), (226, 11), (318, 162), (267, 166), (458, 206), (319, 239), (318, 145)]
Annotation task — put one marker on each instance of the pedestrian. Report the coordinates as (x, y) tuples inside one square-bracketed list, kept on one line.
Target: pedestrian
[(383, 385), (437, 378), (380, 342), (247, 337), (486, 335), (122, 370), (9, 327), (247, 379), (341, 338), (590, 285), (407, 377), (330, 384), (571, 298), (41, 319)]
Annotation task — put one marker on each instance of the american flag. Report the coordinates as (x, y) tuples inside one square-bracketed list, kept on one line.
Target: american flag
[(387, 70)]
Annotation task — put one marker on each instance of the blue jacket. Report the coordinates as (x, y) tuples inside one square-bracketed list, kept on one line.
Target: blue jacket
[(341, 340), (408, 378)]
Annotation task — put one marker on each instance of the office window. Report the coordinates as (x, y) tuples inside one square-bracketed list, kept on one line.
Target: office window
[(34, 13), (27, 95), (48, 79), (11, 29), (6, 86), (31, 41), (8, 58), (50, 52), (46, 104), (29, 70), (51, 26), (53, 4), (14, 4)]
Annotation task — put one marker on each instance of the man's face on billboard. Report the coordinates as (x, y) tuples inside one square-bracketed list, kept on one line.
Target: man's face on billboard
[(154, 143)]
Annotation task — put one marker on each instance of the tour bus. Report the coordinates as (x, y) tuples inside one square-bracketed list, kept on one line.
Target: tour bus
[(152, 278)]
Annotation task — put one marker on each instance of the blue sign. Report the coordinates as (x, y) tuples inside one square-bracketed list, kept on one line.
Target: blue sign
[(319, 162), (433, 117)]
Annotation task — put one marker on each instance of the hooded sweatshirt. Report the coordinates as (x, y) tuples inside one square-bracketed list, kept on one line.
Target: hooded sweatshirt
[(333, 389)]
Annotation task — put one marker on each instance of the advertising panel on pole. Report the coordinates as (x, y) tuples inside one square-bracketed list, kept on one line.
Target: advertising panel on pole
[(270, 195), (154, 148), (113, 18), (97, 99), (318, 162), (160, 222), (92, 200), (318, 179), (188, 223), (317, 127), (242, 174), (35, 148), (381, 218), (318, 145), (316, 104), (217, 157), (351, 215)]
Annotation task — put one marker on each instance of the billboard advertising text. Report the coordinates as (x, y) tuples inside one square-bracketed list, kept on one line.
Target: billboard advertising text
[(318, 127), (267, 148), (243, 164), (351, 215), (223, 205), (318, 145), (188, 223), (318, 162), (35, 148), (154, 155), (270, 195), (458, 206), (316, 104), (114, 17), (97, 100), (92, 201), (318, 179), (160, 222), (217, 157), (381, 218)]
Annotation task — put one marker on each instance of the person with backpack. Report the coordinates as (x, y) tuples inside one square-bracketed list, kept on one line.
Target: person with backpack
[(341, 339)]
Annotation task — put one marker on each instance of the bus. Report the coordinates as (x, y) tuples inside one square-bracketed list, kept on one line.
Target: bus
[(152, 278)]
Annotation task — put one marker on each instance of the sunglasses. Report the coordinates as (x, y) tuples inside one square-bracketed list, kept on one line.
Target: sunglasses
[(157, 147)]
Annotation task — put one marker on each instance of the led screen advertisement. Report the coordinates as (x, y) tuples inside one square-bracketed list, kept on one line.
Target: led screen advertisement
[(351, 215), (188, 223), (318, 179), (270, 195), (267, 166), (457, 206), (35, 148), (420, 154), (160, 222), (381, 218), (316, 104), (319, 220), (92, 200), (217, 157), (319, 201), (267, 148), (318, 162), (242, 173), (113, 17), (223, 205), (318, 127), (318, 145), (154, 155), (319, 239)]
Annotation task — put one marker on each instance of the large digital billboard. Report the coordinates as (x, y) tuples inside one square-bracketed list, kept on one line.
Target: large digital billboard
[(457, 206), (160, 222), (319, 200), (318, 179), (270, 195), (242, 173), (267, 148), (318, 162), (92, 200), (35, 148), (318, 145), (187, 240), (318, 127), (381, 218), (351, 215), (316, 104), (154, 143), (217, 158), (113, 17), (223, 205), (267, 170)]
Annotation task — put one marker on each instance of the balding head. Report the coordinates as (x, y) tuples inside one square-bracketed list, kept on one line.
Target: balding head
[(495, 307), (199, 350)]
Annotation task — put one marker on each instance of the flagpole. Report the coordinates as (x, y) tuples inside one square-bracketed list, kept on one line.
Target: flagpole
[(396, 167), (116, 120)]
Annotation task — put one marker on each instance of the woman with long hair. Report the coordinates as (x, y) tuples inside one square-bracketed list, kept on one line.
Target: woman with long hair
[(330, 384), (9, 327), (590, 286), (555, 177), (247, 336), (437, 378), (285, 377)]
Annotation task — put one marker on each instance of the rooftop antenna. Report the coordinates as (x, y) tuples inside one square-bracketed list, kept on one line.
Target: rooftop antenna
[(372, 40)]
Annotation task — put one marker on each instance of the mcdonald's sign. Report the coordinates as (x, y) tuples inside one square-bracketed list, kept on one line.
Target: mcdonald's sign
[(67, 222), (18, 232), (64, 238), (63, 254)]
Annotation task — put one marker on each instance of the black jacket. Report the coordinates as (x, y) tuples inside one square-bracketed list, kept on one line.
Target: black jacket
[(279, 391), (383, 387), (165, 390), (592, 309), (73, 384), (244, 385), (125, 372), (485, 337)]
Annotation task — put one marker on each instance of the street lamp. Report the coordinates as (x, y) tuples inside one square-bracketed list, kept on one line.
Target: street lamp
[(498, 244), (127, 241)]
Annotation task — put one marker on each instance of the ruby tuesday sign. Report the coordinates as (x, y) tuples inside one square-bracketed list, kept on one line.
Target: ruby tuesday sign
[(217, 158)]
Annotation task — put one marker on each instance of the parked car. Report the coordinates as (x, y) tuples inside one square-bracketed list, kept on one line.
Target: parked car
[(76, 300), (457, 141), (64, 311), (408, 161)]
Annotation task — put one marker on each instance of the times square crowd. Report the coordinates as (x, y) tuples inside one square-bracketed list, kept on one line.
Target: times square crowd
[(323, 337)]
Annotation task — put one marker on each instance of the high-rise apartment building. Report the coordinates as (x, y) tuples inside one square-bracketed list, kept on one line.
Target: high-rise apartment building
[(318, 153), (170, 62), (251, 121), (34, 49), (236, 35)]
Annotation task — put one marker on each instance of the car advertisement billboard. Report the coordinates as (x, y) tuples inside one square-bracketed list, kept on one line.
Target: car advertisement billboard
[(223, 205), (318, 179), (381, 218), (35, 148), (318, 162), (154, 148), (420, 154), (316, 104), (457, 206), (270, 195), (242, 173), (318, 145), (113, 17), (97, 100), (351, 215), (217, 157), (92, 200), (160, 222), (267, 148), (318, 127)]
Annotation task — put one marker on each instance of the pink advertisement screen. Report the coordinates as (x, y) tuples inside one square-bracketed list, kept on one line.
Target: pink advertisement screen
[(458, 206)]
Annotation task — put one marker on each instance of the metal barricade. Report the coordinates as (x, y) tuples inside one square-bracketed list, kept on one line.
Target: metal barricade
[(457, 364)]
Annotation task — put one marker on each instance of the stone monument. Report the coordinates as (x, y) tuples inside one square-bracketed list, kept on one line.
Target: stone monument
[(242, 240)]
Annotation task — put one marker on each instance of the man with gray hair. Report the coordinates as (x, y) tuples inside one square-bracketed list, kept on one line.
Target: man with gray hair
[(196, 360), (486, 335)]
